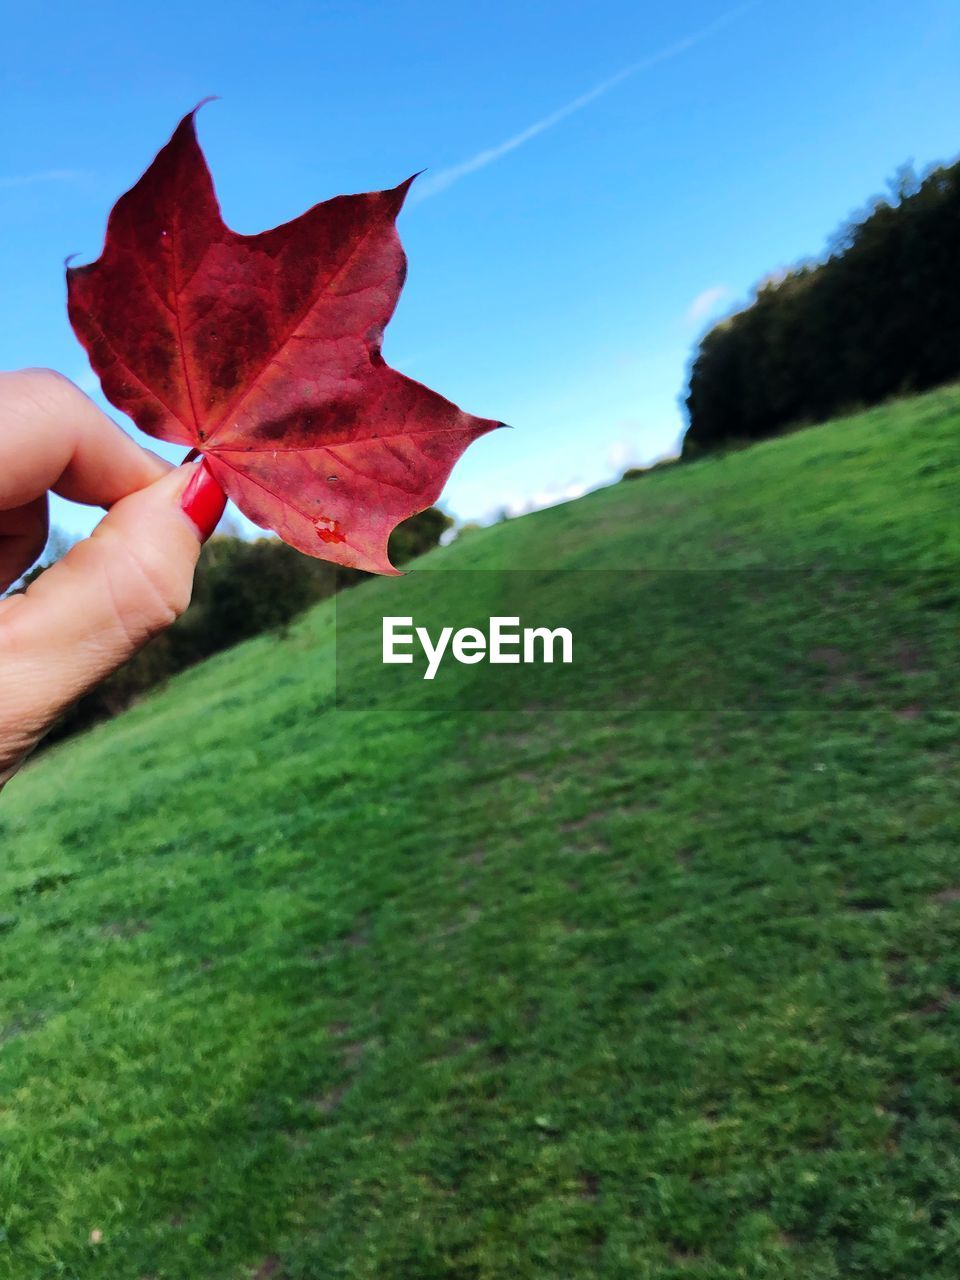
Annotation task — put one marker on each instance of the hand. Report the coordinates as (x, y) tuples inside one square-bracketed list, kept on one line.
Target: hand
[(112, 592)]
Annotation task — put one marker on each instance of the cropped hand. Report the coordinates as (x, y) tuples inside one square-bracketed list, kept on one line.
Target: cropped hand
[(113, 591)]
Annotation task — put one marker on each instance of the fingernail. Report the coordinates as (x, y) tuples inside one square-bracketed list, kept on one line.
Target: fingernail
[(203, 501)]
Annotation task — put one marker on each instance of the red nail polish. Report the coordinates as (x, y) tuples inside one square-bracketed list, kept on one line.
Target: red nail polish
[(203, 501)]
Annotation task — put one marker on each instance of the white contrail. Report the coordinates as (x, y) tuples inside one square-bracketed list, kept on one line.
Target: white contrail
[(433, 185), (47, 175)]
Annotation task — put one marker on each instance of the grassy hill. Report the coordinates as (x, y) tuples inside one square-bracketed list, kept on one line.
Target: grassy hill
[(666, 986)]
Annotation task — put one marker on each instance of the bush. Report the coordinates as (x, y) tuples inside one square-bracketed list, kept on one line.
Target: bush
[(241, 589), (880, 316), (418, 534)]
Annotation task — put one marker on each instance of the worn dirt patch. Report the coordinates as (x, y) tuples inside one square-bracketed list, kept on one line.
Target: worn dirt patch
[(588, 819)]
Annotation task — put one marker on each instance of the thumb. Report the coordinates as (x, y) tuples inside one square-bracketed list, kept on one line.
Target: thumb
[(102, 602)]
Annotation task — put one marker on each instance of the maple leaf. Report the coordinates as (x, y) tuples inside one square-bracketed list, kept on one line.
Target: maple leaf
[(262, 353)]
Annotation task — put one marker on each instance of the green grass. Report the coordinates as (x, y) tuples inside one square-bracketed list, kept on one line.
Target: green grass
[(666, 989)]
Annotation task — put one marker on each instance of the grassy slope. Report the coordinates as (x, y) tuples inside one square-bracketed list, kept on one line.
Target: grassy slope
[(643, 992)]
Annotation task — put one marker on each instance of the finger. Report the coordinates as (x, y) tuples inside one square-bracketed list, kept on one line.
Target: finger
[(104, 600), (23, 535), (52, 436)]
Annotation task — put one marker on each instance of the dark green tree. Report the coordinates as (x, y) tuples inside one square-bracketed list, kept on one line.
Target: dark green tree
[(880, 315)]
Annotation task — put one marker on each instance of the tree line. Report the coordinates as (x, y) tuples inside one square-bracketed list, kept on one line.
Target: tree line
[(878, 316), (241, 589)]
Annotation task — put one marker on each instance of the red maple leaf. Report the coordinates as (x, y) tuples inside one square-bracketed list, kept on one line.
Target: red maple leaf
[(263, 353)]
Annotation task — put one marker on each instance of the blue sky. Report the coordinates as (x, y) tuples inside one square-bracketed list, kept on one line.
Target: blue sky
[(603, 178)]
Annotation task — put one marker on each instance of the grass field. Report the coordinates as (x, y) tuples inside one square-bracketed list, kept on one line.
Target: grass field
[(665, 988)]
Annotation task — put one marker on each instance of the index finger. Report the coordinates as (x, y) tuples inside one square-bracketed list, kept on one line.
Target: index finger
[(52, 436)]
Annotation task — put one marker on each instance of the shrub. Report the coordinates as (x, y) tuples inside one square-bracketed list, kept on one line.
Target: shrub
[(879, 316), (241, 589)]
